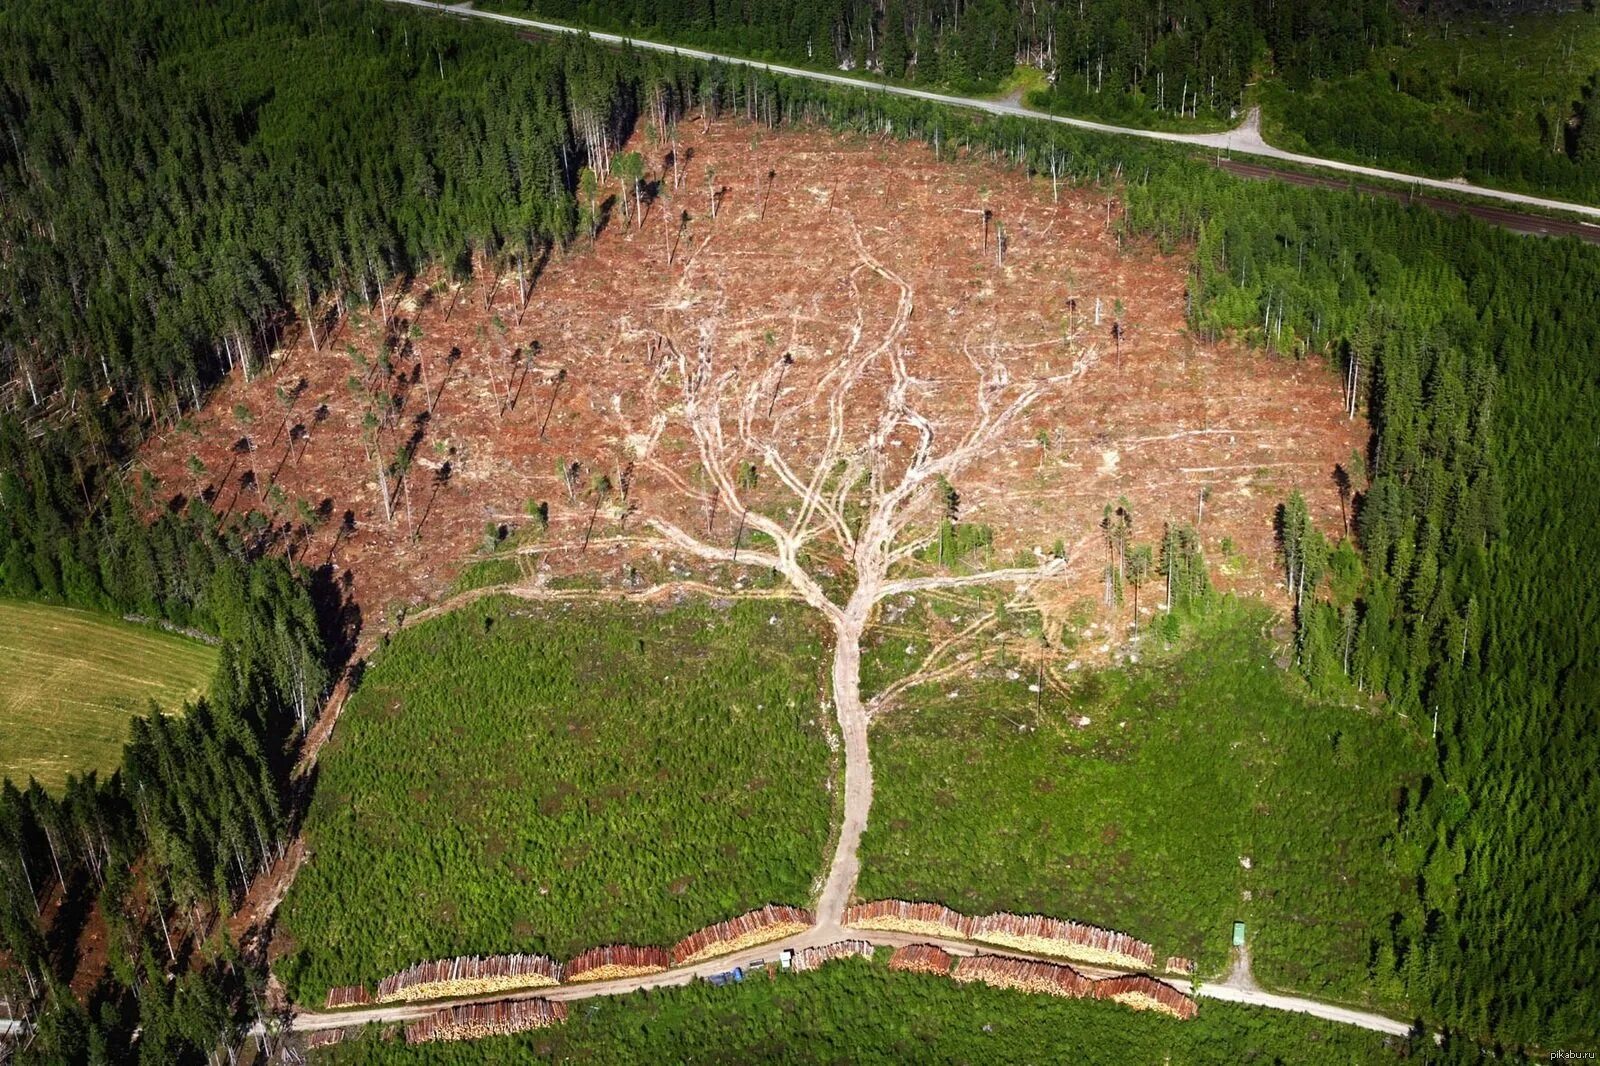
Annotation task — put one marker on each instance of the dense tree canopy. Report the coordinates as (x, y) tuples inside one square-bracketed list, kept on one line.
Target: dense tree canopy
[(1193, 53), (206, 169)]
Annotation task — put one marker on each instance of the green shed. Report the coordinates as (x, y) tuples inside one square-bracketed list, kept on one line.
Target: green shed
[(1238, 934)]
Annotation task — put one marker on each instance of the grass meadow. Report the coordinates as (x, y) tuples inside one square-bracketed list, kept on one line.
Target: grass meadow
[(70, 681)]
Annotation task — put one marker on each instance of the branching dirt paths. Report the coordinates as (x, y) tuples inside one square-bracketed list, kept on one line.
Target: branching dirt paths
[(856, 466), (787, 400), (863, 495)]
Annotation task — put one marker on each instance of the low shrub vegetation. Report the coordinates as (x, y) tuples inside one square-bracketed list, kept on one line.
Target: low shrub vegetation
[(1164, 800), (514, 777)]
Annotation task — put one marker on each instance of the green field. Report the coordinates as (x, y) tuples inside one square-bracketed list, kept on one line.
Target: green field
[(856, 1011), (1498, 101), (521, 777), (70, 680), (1139, 820)]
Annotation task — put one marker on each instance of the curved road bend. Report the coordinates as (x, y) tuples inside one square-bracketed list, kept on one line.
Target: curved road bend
[(1245, 139)]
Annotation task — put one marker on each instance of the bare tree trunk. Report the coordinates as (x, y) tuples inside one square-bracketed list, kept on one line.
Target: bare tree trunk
[(383, 486), (33, 894), (55, 859), (311, 324), (405, 488)]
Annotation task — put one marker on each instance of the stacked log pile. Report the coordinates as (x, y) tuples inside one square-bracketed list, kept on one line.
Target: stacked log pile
[(469, 976), (921, 958), (1039, 935), (1034, 933), (477, 1020), (341, 996), (617, 960), (747, 930), (323, 1038), (1048, 978), (1179, 964), (1145, 993), (811, 958), (930, 919)]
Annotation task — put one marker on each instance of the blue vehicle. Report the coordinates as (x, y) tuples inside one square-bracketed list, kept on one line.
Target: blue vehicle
[(717, 980)]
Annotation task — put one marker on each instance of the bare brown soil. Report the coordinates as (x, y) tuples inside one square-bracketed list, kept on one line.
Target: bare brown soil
[(781, 269)]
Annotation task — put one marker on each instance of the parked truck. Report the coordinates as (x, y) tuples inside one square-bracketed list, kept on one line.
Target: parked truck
[(717, 980)]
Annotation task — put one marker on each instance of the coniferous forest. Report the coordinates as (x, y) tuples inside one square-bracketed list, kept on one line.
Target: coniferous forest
[(1177, 57), (181, 183)]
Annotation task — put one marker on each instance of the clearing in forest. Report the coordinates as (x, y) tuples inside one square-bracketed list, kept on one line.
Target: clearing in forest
[(823, 247), (1168, 798), (520, 777), (71, 680), (791, 367)]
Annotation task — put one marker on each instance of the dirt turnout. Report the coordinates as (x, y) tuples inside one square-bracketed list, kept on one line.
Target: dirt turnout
[(779, 271)]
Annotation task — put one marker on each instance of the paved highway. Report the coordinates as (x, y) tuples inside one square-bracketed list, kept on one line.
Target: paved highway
[(1244, 140)]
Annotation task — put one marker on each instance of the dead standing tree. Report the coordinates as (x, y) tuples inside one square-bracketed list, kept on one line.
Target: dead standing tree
[(858, 499)]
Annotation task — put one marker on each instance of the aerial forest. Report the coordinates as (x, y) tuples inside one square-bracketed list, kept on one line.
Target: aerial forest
[(183, 185), (1175, 58)]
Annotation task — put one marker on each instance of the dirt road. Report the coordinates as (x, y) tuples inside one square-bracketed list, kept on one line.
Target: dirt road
[(846, 866), (768, 954), (1505, 218), (1243, 140)]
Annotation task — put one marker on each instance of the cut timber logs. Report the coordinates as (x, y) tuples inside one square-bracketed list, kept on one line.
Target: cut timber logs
[(1033, 933), (1146, 993), (469, 976), (323, 1038), (922, 958), (477, 1020), (747, 930), (1052, 979), (811, 958), (1048, 978), (341, 996), (617, 960), (1040, 935), (1179, 964)]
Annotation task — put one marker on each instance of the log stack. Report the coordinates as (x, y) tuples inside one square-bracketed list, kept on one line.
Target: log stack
[(341, 996), (323, 1038), (1146, 993), (1048, 978), (1035, 934), (1179, 964), (930, 919), (476, 1020), (811, 958), (469, 976), (617, 960), (921, 958), (747, 930), (1041, 935)]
